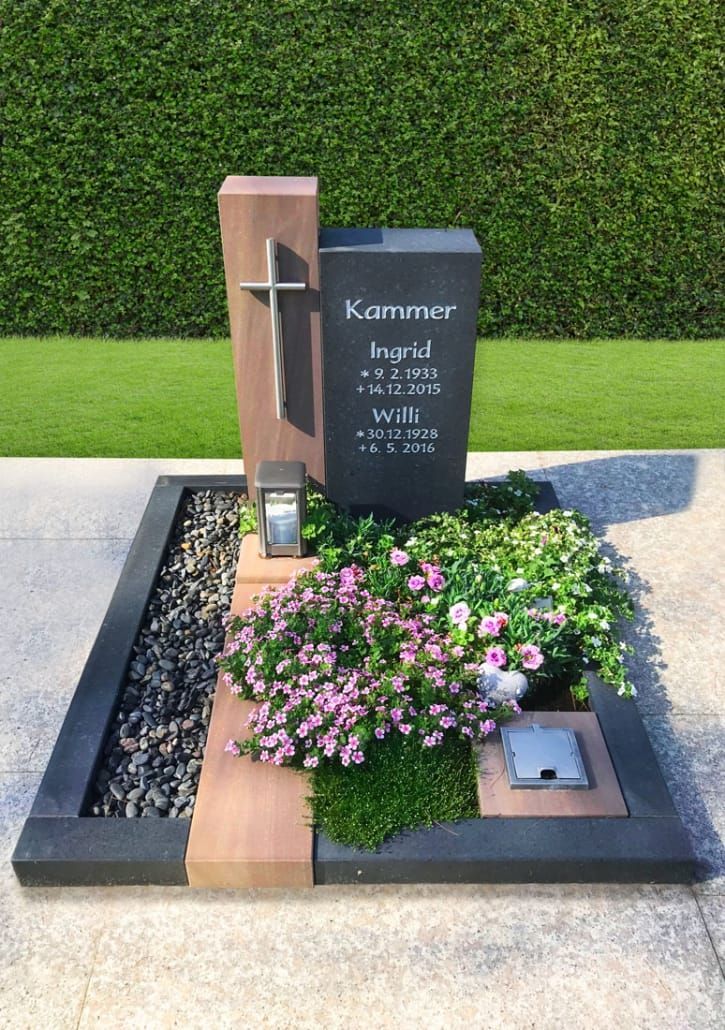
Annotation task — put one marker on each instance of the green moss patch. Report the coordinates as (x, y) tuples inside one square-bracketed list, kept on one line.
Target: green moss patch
[(403, 785)]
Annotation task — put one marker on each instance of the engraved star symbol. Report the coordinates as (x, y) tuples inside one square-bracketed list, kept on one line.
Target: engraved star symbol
[(364, 373), (361, 388), (360, 433)]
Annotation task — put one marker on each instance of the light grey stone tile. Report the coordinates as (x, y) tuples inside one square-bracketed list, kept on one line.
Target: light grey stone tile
[(410, 957), (17, 791), (54, 598), (49, 939), (690, 749), (712, 908), (704, 820), (48, 936), (620, 487), (86, 497), (494, 464)]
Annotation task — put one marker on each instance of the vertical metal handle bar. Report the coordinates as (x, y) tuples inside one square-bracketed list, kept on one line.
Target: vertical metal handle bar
[(277, 354)]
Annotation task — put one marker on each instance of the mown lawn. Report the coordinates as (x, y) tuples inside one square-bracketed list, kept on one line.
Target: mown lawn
[(175, 398)]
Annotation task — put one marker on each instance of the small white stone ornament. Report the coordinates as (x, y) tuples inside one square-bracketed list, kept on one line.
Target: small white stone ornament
[(498, 685), (517, 585)]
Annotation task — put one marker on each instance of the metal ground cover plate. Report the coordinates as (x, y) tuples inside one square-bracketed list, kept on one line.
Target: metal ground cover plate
[(543, 758)]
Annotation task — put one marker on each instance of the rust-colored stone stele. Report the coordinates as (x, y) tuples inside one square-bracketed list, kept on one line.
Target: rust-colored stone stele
[(270, 237)]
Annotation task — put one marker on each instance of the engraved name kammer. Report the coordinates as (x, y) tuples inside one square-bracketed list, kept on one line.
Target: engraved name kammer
[(377, 312)]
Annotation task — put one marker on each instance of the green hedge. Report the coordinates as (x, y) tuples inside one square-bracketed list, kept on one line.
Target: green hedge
[(580, 140)]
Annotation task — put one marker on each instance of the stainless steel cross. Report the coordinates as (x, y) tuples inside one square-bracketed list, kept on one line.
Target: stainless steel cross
[(272, 286)]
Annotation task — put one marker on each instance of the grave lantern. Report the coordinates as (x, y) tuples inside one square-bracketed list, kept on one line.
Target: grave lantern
[(280, 489)]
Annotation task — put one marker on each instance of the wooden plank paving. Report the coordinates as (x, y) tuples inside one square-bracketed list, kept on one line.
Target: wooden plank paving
[(250, 826)]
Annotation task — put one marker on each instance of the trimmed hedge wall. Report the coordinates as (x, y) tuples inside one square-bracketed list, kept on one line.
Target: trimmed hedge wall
[(580, 141)]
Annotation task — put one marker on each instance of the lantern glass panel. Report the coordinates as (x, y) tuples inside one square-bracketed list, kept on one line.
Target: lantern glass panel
[(280, 510)]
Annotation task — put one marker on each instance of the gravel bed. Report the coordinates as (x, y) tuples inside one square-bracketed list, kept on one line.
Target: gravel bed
[(153, 755)]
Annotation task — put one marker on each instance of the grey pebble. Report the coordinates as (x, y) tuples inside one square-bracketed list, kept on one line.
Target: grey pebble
[(165, 707)]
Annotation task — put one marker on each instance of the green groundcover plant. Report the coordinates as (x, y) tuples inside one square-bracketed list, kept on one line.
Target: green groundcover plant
[(383, 644)]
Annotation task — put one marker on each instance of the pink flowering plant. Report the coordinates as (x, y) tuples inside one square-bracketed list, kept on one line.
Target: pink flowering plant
[(546, 573), (365, 671), (337, 670), (548, 576)]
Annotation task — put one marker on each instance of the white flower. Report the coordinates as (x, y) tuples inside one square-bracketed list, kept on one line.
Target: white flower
[(604, 624), (596, 642)]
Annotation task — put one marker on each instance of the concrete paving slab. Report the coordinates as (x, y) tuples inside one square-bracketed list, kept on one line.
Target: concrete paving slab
[(388, 956), (86, 497), (17, 791), (50, 611), (704, 820), (417, 957), (48, 937), (690, 748), (712, 908)]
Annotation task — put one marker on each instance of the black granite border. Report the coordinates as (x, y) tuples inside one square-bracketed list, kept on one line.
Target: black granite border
[(59, 846)]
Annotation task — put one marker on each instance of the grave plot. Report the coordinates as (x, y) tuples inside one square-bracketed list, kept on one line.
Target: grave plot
[(425, 614), (64, 843)]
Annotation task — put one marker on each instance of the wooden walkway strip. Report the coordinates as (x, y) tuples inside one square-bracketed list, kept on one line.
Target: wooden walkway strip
[(250, 827)]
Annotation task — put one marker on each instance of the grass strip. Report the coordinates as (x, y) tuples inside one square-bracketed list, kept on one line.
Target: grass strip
[(70, 397)]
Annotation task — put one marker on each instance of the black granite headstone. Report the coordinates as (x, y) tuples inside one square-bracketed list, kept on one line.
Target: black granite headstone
[(398, 343)]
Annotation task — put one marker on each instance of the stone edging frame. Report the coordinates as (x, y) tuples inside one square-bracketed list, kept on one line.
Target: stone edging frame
[(60, 845)]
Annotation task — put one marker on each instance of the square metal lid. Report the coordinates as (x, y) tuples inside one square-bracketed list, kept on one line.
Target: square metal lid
[(545, 757)]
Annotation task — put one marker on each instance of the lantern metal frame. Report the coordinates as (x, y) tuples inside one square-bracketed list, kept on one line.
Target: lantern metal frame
[(280, 478)]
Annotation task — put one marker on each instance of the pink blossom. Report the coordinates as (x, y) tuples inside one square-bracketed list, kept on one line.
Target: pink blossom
[(491, 625), (398, 557), (436, 581), (496, 656), (405, 728), (416, 583), (232, 748), (459, 614), (531, 656)]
